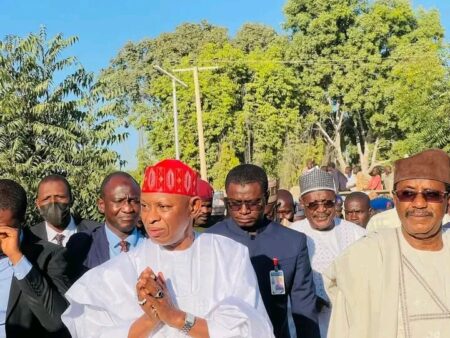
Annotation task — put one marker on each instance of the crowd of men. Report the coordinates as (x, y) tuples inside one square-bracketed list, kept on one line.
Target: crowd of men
[(162, 265)]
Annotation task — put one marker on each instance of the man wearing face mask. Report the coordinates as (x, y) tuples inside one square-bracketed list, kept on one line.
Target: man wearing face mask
[(54, 199)]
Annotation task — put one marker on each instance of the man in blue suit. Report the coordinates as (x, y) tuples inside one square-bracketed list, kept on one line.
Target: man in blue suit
[(247, 192), (120, 203)]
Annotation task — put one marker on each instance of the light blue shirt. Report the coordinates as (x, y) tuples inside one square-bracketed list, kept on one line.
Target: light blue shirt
[(7, 272), (134, 239)]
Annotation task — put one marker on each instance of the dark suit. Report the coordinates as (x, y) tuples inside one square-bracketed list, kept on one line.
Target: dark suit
[(289, 246), (40, 230), (36, 302), (87, 250)]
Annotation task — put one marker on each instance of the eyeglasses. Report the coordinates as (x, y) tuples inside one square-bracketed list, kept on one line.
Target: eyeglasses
[(235, 205), (431, 196), (315, 205)]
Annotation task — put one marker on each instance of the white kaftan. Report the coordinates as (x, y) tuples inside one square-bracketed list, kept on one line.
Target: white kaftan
[(213, 279)]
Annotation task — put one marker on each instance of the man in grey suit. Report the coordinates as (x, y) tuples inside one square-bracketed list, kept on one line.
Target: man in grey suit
[(32, 274), (54, 199)]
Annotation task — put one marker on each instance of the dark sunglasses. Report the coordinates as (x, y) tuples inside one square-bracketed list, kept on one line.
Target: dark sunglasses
[(326, 203), (431, 196), (251, 205)]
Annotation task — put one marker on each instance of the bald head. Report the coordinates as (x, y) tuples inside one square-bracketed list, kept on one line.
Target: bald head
[(105, 183), (357, 208), (286, 206)]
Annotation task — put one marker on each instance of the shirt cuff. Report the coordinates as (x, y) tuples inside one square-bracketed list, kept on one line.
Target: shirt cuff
[(22, 268)]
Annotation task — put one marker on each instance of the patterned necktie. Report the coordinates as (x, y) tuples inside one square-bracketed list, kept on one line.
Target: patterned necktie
[(59, 239), (124, 246)]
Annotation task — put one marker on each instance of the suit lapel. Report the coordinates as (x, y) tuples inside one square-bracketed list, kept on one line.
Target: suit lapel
[(99, 249), (39, 230)]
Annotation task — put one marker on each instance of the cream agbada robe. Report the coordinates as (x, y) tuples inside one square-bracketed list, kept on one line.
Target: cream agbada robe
[(213, 279), (382, 287)]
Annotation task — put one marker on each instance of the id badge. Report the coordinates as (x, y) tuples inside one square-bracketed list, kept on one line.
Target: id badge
[(277, 282)]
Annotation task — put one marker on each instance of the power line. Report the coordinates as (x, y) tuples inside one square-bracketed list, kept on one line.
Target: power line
[(322, 60)]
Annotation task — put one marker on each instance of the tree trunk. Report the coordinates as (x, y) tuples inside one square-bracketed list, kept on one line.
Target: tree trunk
[(335, 140)]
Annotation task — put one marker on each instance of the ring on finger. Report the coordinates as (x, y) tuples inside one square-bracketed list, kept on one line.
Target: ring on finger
[(152, 276), (142, 302), (159, 294)]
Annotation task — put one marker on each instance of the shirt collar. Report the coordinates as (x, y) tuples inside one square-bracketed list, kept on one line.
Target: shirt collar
[(114, 240), (234, 227), (67, 232)]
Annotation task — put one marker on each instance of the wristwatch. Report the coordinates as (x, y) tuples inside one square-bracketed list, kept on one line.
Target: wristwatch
[(189, 322)]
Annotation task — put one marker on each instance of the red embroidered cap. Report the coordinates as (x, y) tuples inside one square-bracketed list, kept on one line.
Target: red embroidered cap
[(204, 190), (170, 177)]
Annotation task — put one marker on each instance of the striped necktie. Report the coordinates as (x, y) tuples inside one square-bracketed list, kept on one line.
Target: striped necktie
[(124, 246), (59, 239)]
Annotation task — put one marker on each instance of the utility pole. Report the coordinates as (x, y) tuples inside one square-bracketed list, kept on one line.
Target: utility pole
[(175, 80), (198, 105)]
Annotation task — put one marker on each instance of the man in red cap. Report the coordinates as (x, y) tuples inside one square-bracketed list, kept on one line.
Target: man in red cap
[(177, 283), (396, 282), (206, 192)]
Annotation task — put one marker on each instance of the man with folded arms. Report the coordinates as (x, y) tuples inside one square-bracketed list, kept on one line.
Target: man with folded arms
[(396, 282), (174, 284)]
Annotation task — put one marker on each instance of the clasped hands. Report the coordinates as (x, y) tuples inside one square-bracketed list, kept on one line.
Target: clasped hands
[(155, 300)]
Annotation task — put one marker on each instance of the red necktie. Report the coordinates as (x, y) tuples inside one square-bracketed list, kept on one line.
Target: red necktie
[(124, 246)]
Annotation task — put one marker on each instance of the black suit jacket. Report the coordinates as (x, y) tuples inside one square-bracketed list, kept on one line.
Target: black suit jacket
[(36, 302), (86, 250), (40, 231)]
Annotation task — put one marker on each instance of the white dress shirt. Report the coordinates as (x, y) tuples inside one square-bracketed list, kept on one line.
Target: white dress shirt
[(67, 232)]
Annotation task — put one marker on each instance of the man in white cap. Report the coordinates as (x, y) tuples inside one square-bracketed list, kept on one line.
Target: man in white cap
[(327, 235), (174, 284), (395, 283)]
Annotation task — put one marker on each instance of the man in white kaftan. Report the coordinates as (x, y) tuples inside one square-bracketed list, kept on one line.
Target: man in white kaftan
[(103, 303), (327, 235), (174, 284), (395, 283)]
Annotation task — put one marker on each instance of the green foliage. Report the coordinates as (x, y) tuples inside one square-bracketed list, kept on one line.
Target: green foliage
[(361, 80), (52, 121), (375, 64), (254, 36), (227, 160)]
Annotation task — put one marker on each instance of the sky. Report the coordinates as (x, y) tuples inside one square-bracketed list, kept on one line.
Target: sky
[(104, 26)]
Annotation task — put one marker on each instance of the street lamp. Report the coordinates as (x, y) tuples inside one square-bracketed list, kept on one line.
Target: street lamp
[(175, 80)]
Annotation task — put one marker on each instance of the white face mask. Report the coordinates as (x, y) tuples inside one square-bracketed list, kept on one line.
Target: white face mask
[(286, 223)]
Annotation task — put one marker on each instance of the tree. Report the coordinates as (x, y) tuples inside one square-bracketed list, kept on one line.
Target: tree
[(227, 160), (254, 36), (350, 53), (53, 126)]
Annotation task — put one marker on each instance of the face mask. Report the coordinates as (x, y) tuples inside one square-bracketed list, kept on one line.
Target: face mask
[(55, 213)]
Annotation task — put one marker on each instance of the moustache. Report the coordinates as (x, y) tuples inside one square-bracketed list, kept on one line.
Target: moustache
[(416, 213)]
